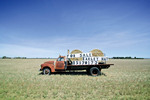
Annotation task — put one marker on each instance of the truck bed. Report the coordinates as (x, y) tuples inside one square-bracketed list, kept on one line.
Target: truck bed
[(84, 67)]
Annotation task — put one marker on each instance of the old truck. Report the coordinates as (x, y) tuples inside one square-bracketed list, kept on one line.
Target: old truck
[(62, 64)]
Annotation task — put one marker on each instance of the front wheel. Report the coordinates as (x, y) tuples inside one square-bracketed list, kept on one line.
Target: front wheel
[(46, 71), (94, 71)]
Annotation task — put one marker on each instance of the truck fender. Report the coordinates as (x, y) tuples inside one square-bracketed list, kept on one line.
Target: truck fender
[(51, 66)]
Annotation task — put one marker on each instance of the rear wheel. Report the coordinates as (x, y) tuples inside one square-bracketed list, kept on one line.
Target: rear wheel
[(46, 71), (94, 71)]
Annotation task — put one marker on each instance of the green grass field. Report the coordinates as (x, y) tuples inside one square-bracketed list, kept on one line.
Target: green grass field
[(127, 79)]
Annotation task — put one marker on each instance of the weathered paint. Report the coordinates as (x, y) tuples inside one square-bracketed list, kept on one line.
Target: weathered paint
[(49, 64)]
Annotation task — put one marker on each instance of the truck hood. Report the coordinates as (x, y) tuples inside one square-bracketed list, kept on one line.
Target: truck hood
[(49, 62)]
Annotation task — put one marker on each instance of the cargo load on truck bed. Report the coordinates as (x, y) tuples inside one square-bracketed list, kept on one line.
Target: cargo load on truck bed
[(92, 58)]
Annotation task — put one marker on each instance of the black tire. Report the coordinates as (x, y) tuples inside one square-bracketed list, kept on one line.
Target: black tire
[(94, 71), (46, 71)]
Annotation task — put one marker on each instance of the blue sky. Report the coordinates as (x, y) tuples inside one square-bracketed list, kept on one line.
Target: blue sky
[(47, 28)]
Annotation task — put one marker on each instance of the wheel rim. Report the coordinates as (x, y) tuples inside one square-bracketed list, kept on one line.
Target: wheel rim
[(95, 72), (47, 71)]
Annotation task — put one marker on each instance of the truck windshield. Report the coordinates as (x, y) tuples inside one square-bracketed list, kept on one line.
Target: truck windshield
[(60, 59)]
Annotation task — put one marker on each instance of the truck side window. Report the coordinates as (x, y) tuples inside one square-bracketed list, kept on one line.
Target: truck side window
[(60, 59)]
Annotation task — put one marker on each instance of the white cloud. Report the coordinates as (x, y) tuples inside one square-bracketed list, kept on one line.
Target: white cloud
[(108, 42)]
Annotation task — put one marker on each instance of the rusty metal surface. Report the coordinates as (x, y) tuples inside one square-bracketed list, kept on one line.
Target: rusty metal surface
[(49, 64), (60, 65)]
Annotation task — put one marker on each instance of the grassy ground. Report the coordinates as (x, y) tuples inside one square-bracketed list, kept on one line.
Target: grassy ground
[(20, 79)]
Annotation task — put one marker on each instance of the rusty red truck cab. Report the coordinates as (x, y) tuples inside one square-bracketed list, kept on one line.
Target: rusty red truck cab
[(53, 66)]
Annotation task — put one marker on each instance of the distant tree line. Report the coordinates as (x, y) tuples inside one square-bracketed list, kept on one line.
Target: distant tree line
[(126, 58), (20, 58), (5, 57), (41, 58)]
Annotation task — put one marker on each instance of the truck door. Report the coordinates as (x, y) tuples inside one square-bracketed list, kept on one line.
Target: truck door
[(60, 64)]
